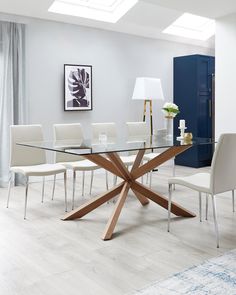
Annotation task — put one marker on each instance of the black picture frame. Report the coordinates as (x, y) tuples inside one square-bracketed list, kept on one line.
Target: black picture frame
[(78, 94)]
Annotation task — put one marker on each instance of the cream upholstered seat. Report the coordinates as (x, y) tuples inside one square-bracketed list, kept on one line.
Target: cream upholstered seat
[(29, 161), (139, 130), (198, 182), (39, 170), (70, 132), (82, 165), (128, 160), (220, 179)]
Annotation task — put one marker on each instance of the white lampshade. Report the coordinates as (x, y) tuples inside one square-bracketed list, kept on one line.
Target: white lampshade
[(148, 89)]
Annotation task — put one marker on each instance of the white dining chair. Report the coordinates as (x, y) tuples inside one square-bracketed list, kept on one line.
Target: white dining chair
[(110, 131), (140, 130), (30, 161), (73, 132), (220, 179)]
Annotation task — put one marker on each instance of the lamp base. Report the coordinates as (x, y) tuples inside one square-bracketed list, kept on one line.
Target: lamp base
[(145, 112)]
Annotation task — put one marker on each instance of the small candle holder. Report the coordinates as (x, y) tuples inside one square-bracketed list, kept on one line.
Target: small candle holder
[(182, 129), (102, 137)]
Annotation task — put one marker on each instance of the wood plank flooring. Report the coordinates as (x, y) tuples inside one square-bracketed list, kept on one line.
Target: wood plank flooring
[(45, 256)]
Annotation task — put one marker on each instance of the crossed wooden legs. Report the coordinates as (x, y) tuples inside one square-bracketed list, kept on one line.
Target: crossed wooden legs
[(114, 164)]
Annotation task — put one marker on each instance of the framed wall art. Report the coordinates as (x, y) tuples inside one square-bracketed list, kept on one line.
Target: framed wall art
[(78, 87)]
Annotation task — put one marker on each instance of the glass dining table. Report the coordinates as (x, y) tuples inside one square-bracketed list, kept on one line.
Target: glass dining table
[(106, 154)]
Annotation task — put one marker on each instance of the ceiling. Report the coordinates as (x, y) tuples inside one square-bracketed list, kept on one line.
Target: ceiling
[(207, 8), (148, 18)]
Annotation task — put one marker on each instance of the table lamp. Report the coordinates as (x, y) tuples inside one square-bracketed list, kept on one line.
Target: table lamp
[(148, 89)]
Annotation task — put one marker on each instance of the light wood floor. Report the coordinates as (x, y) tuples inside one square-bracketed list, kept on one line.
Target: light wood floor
[(46, 256)]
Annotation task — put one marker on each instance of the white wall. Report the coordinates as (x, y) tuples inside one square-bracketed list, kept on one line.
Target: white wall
[(226, 75), (117, 59)]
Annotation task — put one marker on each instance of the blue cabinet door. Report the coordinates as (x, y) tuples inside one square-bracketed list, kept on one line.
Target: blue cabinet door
[(193, 95)]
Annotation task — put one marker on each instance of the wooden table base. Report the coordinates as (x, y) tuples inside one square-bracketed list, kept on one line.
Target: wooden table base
[(114, 164)]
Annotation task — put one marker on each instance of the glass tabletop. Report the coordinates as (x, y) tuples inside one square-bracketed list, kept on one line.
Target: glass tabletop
[(118, 144)]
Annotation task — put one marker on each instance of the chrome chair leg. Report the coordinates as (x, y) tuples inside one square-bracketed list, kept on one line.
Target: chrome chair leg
[(150, 184), (233, 201), (114, 183), (200, 206), (173, 168), (169, 205), (142, 178), (91, 182), (73, 193), (107, 185), (83, 183), (9, 188), (173, 171), (26, 195), (65, 186), (147, 177), (43, 187), (215, 220), (53, 188), (207, 206)]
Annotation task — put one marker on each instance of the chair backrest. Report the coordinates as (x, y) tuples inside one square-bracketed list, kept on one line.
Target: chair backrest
[(68, 132), (137, 129), (26, 156), (223, 169), (104, 128)]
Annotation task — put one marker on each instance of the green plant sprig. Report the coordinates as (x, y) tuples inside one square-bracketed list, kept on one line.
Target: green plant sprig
[(171, 110)]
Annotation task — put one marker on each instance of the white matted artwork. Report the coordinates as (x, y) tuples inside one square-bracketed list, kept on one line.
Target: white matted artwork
[(78, 87)]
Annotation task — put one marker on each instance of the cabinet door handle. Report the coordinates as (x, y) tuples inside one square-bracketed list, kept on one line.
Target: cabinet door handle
[(210, 108)]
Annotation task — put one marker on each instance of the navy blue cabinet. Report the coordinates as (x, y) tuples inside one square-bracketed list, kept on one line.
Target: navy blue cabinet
[(194, 94)]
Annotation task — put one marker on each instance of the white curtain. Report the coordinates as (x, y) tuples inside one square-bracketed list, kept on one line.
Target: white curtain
[(12, 90)]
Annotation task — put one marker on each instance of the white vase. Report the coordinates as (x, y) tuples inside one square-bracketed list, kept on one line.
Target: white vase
[(169, 127)]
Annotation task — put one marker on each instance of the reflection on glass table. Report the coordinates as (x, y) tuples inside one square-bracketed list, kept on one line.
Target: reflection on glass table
[(106, 155)]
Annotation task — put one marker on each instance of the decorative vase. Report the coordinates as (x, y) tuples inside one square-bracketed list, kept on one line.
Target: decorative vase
[(169, 127)]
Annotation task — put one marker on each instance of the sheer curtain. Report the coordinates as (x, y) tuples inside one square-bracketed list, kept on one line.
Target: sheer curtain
[(12, 90)]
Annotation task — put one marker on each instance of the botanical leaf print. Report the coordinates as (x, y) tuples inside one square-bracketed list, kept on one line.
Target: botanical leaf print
[(78, 81)]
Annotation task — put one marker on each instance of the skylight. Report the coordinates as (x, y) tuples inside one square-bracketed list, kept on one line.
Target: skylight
[(192, 26), (101, 10)]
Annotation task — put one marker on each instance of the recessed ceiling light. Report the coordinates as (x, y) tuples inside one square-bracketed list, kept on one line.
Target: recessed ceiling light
[(192, 26), (101, 10)]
